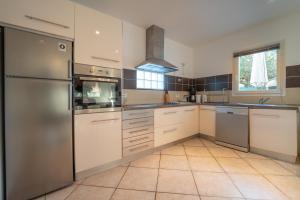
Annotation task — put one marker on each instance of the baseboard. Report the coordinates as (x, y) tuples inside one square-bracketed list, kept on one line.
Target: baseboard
[(86, 173), (274, 155), (208, 137)]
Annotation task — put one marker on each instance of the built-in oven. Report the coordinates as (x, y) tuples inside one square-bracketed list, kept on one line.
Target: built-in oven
[(96, 89)]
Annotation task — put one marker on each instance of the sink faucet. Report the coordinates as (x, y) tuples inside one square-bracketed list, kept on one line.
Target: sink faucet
[(263, 100)]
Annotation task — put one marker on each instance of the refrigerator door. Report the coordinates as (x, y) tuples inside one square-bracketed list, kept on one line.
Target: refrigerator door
[(33, 55), (38, 136)]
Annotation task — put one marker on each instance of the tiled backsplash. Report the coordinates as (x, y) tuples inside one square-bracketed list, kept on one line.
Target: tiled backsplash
[(214, 83), (293, 76)]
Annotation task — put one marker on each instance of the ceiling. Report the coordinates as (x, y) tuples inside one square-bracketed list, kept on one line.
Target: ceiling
[(194, 22)]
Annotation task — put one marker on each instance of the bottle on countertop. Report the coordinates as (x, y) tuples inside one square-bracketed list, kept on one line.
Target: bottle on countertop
[(167, 97)]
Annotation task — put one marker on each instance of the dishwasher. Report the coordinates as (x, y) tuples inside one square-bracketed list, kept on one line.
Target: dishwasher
[(232, 127)]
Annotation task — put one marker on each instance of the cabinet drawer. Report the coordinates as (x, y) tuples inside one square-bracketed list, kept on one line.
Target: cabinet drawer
[(137, 131), (167, 134), (138, 140), (133, 114), (167, 116), (137, 148), (134, 123)]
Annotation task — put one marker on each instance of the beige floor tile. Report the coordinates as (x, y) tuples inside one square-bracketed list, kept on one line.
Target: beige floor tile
[(139, 179), (156, 153), (250, 155), (91, 193), (215, 184), (124, 164), (268, 167), (109, 178), (174, 181), (61, 194), (121, 194), (256, 187), (219, 198), (294, 168), (209, 143), (197, 151), (204, 164), (176, 150), (168, 196), (174, 162), (236, 165), (195, 142), (151, 161), (223, 152), (289, 185)]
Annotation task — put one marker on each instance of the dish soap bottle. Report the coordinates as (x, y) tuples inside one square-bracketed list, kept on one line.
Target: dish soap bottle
[(166, 97)]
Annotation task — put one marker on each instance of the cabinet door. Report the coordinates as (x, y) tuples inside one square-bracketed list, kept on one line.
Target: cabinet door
[(50, 16), (98, 38), (167, 116), (190, 115), (167, 134), (208, 120), (97, 139), (274, 130)]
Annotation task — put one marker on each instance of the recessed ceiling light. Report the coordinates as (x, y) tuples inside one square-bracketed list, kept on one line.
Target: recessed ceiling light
[(117, 51), (97, 32)]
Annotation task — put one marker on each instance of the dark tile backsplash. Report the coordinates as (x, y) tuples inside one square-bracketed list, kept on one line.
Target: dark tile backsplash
[(212, 83), (293, 76)]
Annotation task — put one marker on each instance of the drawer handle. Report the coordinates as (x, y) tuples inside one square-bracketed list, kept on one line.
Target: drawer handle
[(138, 113), (169, 113), (131, 132), (138, 148), (140, 139), (139, 122), (171, 130), (46, 21), (105, 59), (207, 109), (189, 110), (267, 116), (104, 120)]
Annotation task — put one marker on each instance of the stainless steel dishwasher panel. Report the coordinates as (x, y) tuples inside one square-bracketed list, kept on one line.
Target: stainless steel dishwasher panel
[(232, 127)]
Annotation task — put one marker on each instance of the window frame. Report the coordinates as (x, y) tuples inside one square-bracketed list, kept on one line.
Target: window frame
[(280, 91), (144, 79)]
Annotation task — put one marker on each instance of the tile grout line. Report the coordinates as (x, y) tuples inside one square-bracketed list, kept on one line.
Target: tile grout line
[(192, 172), (115, 189), (227, 174), (155, 196)]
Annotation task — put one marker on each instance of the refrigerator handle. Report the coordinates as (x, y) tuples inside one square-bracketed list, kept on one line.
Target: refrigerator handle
[(69, 69), (69, 96)]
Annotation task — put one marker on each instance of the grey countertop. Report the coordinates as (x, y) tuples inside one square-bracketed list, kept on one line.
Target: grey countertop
[(251, 106)]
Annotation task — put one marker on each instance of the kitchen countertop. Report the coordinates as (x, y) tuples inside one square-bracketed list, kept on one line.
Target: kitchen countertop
[(250, 106)]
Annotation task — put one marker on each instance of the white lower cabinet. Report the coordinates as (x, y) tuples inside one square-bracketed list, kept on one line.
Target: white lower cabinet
[(274, 131), (167, 134), (98, 139), (190, 118), (207, 120)]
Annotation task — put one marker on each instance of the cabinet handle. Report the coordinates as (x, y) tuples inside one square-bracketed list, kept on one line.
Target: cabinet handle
[(138, 113), (105, 59), (207, 109), (145, 129), (189, 110), (140, 139), (104, 120), (137, 148), (46, 21), (169, 113), (267, 116), (171, 130), (139, 122)]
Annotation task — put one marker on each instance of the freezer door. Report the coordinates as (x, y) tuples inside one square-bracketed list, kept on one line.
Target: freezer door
[(38, 137), (33, 55)]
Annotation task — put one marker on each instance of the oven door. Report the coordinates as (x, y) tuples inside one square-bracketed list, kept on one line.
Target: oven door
[(97, 92)]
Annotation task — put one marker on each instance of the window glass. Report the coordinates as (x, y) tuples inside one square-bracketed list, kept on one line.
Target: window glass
[(150, 80)]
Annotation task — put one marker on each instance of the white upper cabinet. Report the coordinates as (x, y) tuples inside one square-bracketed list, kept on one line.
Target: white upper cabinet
[(49, 16), (98, 38)]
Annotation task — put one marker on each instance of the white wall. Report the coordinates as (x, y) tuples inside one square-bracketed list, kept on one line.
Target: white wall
[(134, 51), (215, 57)]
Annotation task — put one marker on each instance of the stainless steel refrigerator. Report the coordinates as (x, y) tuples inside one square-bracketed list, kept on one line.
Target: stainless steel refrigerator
[(38, 114)]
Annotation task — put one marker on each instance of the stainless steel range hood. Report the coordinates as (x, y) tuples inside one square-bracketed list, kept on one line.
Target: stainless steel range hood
[(155, 52)]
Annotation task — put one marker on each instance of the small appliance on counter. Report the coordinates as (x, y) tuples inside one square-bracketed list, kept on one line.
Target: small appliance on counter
[(192, 92), (96, 89), (198, 98)]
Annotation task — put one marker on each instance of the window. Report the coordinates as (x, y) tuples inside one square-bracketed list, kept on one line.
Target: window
[(258, 71), (149, 80)]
